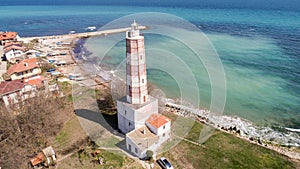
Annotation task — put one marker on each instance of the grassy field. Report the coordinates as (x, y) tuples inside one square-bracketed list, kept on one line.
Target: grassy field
[(111, 160), (70, 138), (223, 150)]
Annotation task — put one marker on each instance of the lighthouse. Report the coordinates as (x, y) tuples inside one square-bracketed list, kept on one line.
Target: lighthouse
[(137, 106), (136, 75), (138, 117)]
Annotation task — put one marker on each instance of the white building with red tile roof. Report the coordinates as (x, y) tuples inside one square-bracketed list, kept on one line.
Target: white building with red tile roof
[(138, 116), (37, 81), (24, 69), (8, 37), (15, 91), (14, 52), (159, 124)]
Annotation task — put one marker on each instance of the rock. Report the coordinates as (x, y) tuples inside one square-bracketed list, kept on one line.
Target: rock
[(259, 142)]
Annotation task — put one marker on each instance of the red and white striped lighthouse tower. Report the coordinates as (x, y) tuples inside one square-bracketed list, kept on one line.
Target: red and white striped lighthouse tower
[(136, 75), (137, 106)]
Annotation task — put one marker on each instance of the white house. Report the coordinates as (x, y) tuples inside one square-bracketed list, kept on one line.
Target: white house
[(14, 53), (159, 125), (150, 136)]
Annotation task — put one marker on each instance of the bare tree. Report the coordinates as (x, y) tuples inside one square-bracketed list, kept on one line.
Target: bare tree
[(25, 134)]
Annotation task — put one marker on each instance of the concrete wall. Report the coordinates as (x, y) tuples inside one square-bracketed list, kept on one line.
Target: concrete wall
[(126, 117), (164, 129), (143, 113), (136, 117), (131, 146), (164, 133)]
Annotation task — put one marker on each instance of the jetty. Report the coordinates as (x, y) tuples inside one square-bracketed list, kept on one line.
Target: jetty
[(82, 35)]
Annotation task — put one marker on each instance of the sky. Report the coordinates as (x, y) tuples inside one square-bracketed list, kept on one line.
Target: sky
[(252, 4)]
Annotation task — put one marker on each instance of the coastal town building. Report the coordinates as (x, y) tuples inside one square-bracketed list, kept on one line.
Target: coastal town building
[(8, 37), (33, 53), (138, 115), (15, 91), (36, 81), (14, 52), (44, 158), (24, 69)]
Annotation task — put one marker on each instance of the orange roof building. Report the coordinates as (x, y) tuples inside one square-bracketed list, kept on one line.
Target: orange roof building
[(40, 158), (25, 69), (37, 81), (8, 36), (157, 120)]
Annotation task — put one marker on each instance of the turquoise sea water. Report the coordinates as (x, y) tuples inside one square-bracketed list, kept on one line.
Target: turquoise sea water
[(258, 48)]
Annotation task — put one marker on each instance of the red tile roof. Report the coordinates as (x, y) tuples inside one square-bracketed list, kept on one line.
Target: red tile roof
[(8, 35), (10, 86), (24, 65), (13, 46), (36, 81), (11, 43), (157, 120), (38, 159)]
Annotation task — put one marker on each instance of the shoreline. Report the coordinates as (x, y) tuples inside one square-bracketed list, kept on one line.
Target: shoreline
[(82, 35), (75, 38), (234, 127)]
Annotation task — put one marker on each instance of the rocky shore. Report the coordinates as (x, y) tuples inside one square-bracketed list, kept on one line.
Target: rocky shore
[(287, 143)]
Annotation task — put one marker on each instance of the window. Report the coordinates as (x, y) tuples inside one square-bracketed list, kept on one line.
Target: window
[(144, 98), (142, 80), (141, 57), (136, 151), (129, 147), (164, 127), (164, 135), (125, 112), (129, 124)]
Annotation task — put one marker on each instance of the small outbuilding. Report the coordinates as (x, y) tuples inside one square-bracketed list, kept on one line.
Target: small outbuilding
[(44, 158)]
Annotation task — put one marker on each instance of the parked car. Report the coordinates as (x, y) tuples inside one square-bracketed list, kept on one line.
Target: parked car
[(164, 163)]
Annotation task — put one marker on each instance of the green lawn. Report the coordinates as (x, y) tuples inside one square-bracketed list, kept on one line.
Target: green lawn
[(223, 150)]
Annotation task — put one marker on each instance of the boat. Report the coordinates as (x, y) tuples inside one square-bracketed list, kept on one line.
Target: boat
[(91, 28)]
